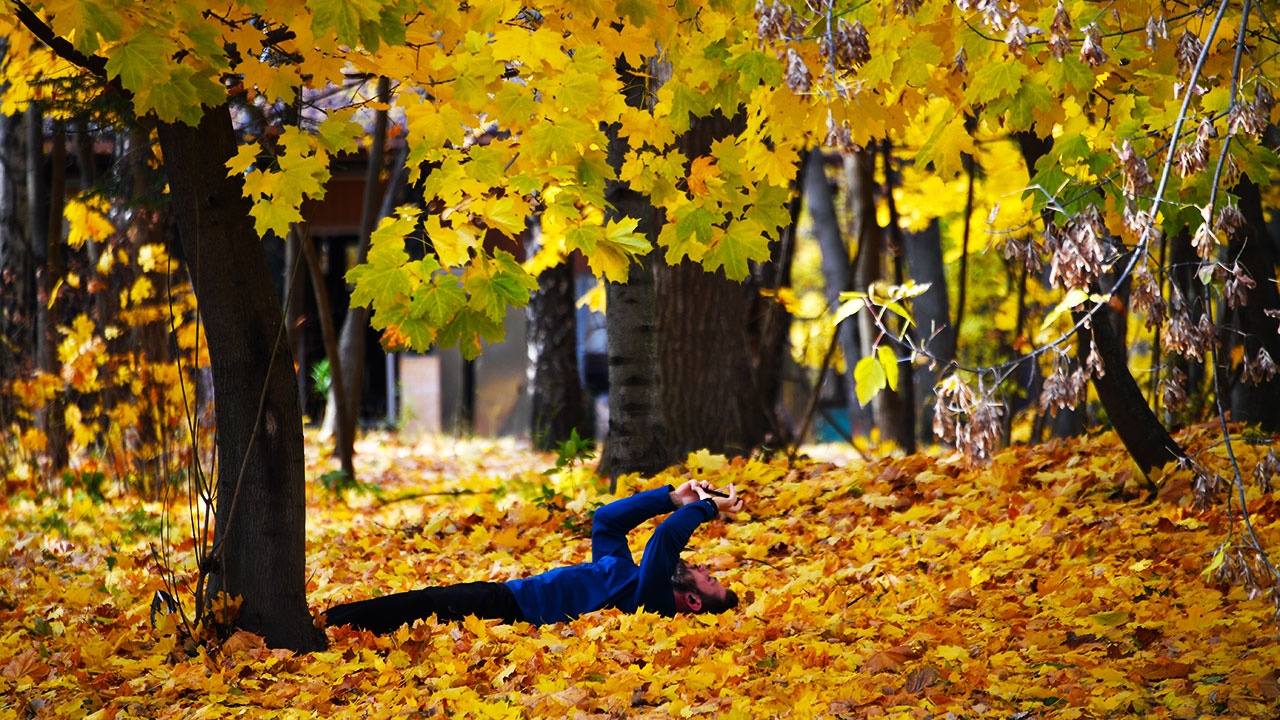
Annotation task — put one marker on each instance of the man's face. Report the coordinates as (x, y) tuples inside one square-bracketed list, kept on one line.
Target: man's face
[(703, 580)]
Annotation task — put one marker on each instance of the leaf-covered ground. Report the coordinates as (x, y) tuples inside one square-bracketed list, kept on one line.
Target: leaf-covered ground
[(1036, 587)]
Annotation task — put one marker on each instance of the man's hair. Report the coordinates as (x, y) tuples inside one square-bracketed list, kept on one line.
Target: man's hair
[(682, 580)]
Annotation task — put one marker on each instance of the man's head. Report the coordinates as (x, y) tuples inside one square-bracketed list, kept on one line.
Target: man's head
[(698, 592)]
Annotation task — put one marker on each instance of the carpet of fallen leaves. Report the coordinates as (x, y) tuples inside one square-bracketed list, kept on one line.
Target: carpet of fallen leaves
[(1040, 586)]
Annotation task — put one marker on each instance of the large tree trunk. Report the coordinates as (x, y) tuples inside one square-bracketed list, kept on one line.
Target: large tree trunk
[(555, 389), (635, 442), (709, 397), (259, 550), (636, 438)]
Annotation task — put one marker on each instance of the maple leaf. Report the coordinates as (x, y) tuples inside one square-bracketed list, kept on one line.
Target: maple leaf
[(742, 243)]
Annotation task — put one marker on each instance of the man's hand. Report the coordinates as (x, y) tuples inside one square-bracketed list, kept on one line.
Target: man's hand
[(729, 503), (688, 492)]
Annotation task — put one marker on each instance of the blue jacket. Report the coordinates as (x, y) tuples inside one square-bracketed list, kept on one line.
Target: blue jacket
[(612, 579)]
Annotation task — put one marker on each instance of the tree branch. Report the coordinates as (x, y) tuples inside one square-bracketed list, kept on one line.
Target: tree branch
[(60, 45)]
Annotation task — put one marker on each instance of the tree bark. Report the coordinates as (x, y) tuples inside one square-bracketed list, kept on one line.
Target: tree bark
[(635, 442), (558, 402), (259, 550), (837, 274), (933, 329), (53, 416), (338, 394), (15, 255), (351, 341), (1255, 404), (709, 397)]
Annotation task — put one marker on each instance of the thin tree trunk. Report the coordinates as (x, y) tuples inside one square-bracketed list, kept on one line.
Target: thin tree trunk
[(342, 441), (53, 416), (1254, 403), (1147, 441), (837, 275), (351, 343), (259, 550), (294, 286), (933, 329), (901, 405), (888, 406), (15, 254), (558, 402)]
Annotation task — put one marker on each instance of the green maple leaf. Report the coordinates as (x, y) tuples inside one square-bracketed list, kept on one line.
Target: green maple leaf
[(754, 67), (1070, 72), (637, 11), (96, 21), (515, 102), (583, 238), (686, 101), (341, 16), (576, 91), (993, 80), (141, 61), (508, 214), (338, 133), (497, 282), (468, 330), (689, 236), (403, 328), (743, 242), (1023, 106), (945, 145), (174, 99), (439, 300), (383, 277)]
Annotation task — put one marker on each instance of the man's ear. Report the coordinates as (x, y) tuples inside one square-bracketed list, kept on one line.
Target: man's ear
[(692, 601)]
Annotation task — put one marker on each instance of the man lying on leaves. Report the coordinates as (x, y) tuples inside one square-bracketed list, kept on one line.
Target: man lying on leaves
[(661, 583)]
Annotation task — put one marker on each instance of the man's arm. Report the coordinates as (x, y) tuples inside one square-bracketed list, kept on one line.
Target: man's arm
[(662, 553), (612, 522)]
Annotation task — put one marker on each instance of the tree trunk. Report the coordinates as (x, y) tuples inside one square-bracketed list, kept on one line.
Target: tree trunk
[(635, 442), (53, 418), (351, 341), (259, 534), (709, 397), (837, 274), (1255, 403), (343, 442), (636, 438), (1147, 441), (902, 431), (16, 270), (933, 329), (555, 389), (294, 287)]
